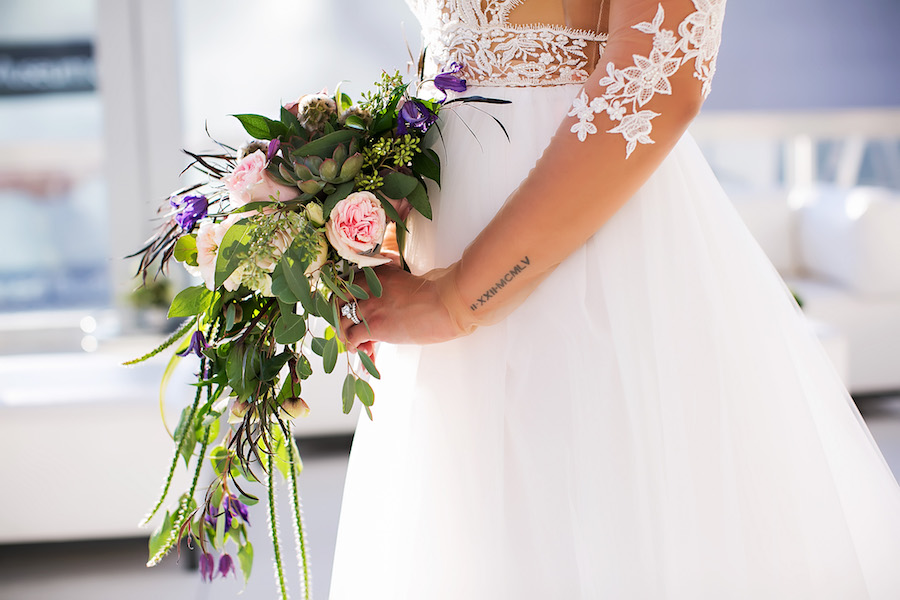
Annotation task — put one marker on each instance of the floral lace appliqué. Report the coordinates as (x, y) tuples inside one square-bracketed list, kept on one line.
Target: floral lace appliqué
[(496, 52), (628, 90)]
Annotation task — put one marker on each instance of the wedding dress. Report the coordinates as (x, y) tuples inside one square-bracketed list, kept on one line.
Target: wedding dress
[(655, 420)]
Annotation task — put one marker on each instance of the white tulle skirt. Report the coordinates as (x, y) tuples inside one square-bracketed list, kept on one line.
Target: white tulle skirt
[(655, 422)]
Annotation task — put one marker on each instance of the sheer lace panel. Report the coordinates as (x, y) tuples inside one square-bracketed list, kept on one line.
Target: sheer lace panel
[(493, 50)]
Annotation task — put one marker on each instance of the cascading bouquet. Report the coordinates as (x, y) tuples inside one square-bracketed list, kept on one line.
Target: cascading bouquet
[(283, 230)]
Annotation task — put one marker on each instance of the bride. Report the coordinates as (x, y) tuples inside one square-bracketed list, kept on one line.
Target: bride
[(597, 386)]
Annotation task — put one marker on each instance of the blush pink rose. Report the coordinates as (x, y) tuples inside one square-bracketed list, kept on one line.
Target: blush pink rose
[(249, 182), (355, 228)]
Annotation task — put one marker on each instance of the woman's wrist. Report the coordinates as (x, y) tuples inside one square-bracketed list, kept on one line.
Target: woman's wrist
[(445, 281)]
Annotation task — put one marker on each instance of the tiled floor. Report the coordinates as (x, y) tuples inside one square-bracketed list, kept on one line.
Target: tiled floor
[(112, 570)]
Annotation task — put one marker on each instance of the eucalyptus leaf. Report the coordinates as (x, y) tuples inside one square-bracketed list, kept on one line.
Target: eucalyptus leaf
[(323, 309), (330, 284), (290, 328), (294, 264), (318, 345), (372, 281), (329, 355), (358, 292), (348, 392), (280, 287), (369, 365), (304, 369), (364, 392)]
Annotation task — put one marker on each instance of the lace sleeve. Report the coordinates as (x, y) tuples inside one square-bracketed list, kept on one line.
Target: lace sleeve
[(626, 92)]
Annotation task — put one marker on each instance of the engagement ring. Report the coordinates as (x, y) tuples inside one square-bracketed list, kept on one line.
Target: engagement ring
[(349, 311)]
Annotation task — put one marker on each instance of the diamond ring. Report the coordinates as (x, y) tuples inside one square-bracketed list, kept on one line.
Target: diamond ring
[(349, 311)]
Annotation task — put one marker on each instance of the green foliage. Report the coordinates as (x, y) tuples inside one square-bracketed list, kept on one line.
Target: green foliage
[(372, 281), (348, 392), (397, 185), (418, 198), (428, 164), (233, 249), (191, 301), (364, 392), (245, 560), (260, 127), (369, 365), (290, 328), (186, 250)]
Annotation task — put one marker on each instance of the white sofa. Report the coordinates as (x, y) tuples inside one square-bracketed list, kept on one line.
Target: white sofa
[(839, 251)]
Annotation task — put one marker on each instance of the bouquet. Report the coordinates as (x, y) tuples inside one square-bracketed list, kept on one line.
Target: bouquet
[(282, 230)]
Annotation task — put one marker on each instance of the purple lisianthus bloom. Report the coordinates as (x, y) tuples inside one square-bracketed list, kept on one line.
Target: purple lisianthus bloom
[(207, 566), (273, 147), (197, 345), (190, 210), (226, 565), (448, 80), (416, 115)]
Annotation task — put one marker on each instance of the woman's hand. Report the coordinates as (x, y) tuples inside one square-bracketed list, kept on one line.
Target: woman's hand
[(411, 310)]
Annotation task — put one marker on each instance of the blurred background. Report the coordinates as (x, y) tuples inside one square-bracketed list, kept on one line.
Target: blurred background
[(96, 98)]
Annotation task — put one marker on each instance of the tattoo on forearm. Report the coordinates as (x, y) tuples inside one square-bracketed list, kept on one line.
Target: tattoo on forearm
[(501, 283)]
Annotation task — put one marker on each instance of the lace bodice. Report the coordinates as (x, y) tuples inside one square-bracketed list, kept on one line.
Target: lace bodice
[(479, 35), (494, 51)]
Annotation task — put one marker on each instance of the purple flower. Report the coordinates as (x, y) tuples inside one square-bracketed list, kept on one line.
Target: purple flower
[(197, 345), (448, 80), (274, 145), (190, 210), (235, 507), (226, 565), (416, 115), (207, 566)]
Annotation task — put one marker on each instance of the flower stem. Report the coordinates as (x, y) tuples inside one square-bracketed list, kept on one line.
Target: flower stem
[(273, 524), (299, 529), (180, 333), (183, 513), (174, 464)]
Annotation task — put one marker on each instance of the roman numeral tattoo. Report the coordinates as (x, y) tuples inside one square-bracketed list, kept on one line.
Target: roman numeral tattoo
[(501, 283)]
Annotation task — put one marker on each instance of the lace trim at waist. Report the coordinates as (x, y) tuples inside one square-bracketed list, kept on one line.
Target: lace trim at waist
[(516, 55)]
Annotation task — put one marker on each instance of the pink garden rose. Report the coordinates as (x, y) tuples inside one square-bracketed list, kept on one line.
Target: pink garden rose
[(355, 229), (249, 182)]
